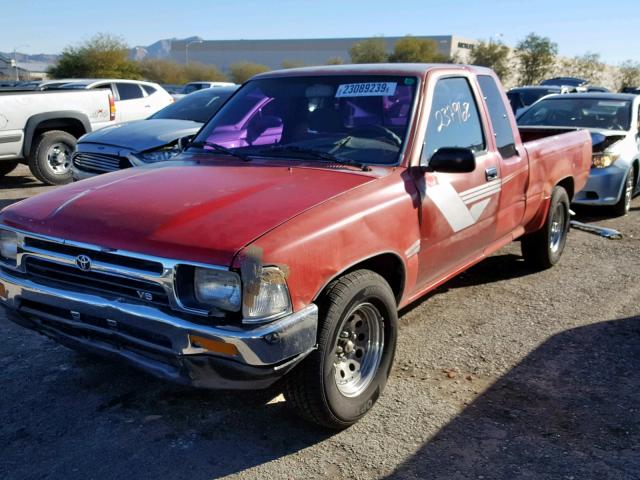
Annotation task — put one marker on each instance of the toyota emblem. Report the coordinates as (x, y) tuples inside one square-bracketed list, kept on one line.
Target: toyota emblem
[(83, 262)]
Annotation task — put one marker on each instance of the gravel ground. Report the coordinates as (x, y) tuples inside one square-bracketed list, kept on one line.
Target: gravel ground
[(500, 374)]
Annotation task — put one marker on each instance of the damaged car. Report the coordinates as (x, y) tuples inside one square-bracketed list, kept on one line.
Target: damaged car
[(155, 139), (613, 119)]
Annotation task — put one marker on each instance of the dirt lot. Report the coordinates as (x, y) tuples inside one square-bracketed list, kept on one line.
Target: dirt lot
[(501, 374)]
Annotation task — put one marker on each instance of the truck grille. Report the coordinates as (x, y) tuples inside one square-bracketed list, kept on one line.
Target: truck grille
[(47, 272), (99, 162)]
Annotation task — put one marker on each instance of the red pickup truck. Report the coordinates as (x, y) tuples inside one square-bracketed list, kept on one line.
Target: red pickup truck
[(282, 242)]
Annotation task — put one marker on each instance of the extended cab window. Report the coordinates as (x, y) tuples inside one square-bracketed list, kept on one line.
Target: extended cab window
[(499, 119), (454, 120), (129, 91)]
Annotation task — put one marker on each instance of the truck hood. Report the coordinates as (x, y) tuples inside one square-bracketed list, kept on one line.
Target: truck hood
[(143, 135), (202, 210)]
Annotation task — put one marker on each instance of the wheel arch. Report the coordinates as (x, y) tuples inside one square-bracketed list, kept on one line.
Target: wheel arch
[(569, 185), (74, 123), (389, 265)]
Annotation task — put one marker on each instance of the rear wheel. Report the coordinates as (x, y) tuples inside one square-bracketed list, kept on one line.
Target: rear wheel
[(7, 167), (624, 204), (50, 159), (543, 249), (339, 382)]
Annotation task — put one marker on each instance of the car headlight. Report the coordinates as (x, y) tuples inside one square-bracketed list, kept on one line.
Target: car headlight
[(160, 155), (266, 297), (604, 160), (217, 288), (8, 247)]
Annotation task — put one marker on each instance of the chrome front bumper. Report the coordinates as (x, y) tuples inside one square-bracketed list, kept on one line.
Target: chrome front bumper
[(160, 342)]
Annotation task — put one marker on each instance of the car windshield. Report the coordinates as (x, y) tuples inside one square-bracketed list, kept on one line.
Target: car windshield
[(527, 97), (197, 107), (352, 119), (571, 111)]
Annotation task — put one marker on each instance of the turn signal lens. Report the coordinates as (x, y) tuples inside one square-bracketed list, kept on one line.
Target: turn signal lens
[(604, 160), (267, 298)]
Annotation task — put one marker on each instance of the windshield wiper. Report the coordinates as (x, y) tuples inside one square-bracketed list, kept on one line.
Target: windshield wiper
[(220, 149), (310, 152)]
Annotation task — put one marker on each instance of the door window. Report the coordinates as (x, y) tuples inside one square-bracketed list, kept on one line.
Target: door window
[(129, 91), (454, 120), (499, 119)]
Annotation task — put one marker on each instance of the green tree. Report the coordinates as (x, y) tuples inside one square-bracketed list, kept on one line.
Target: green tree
[(334, 61), (537, 57), (587, 66), (492, 55), (629, 74), (292, 64), (416, 50), (242, 71), (373, 50), (167, 71), (162, 71), (102, 56), (196, 71)]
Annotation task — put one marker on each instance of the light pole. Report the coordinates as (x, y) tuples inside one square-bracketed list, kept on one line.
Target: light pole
[(186, 49), (15, 60)]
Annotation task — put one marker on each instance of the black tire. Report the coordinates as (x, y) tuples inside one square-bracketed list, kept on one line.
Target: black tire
[(543, 249), (7, 167), (624, 204), (43, 155), (312, 387)]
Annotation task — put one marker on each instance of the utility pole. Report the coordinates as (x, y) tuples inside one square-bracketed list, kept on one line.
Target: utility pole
[(15, 60), (186, 49)]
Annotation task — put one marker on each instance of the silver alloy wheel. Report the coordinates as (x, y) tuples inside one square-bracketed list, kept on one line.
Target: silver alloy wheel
[(358, 349), (557, 228), (628, 192), (59, 158)]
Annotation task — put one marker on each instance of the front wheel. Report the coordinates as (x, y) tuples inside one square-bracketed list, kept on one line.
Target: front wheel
[(543, 249), (339, 382), (624, 204)]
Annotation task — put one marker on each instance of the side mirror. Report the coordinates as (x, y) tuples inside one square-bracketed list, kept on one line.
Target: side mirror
[(452, 160), (185, 141)]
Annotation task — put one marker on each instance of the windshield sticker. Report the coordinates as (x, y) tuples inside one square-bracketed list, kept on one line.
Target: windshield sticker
[(456, 112), (371, 89)]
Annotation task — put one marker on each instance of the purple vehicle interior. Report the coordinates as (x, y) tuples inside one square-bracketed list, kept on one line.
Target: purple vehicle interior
[(309, 112)]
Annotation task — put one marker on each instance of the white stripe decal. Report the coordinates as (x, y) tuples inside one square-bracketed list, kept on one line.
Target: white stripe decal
[(454, 205)]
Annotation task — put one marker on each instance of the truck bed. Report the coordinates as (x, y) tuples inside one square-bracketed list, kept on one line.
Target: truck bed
[(555, 154)]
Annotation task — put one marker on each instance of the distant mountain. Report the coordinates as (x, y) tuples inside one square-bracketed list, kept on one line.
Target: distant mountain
[(159, 49), (36, 63), (42, 61)]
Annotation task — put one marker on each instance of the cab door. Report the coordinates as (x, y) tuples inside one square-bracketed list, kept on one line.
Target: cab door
[(513, 159), (458, 210)]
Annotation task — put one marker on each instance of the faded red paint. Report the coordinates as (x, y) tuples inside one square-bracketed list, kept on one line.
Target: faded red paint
[(314, 221)]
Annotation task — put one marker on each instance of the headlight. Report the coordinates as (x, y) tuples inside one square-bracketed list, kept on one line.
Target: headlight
[(160, 155), (603, 160), (217, 288), (8, 247), (266, 297)]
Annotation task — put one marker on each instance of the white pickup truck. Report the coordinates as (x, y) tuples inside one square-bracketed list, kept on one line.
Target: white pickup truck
[(41, 128)]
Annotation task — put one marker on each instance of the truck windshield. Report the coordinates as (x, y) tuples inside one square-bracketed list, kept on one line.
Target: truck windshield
[(354, 119), (574, 111)]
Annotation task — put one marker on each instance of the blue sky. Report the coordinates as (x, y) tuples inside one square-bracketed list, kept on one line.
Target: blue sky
[(578, 26)]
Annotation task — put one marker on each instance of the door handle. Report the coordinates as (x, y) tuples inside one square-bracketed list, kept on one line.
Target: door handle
[(147, 106), (491, 173)]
